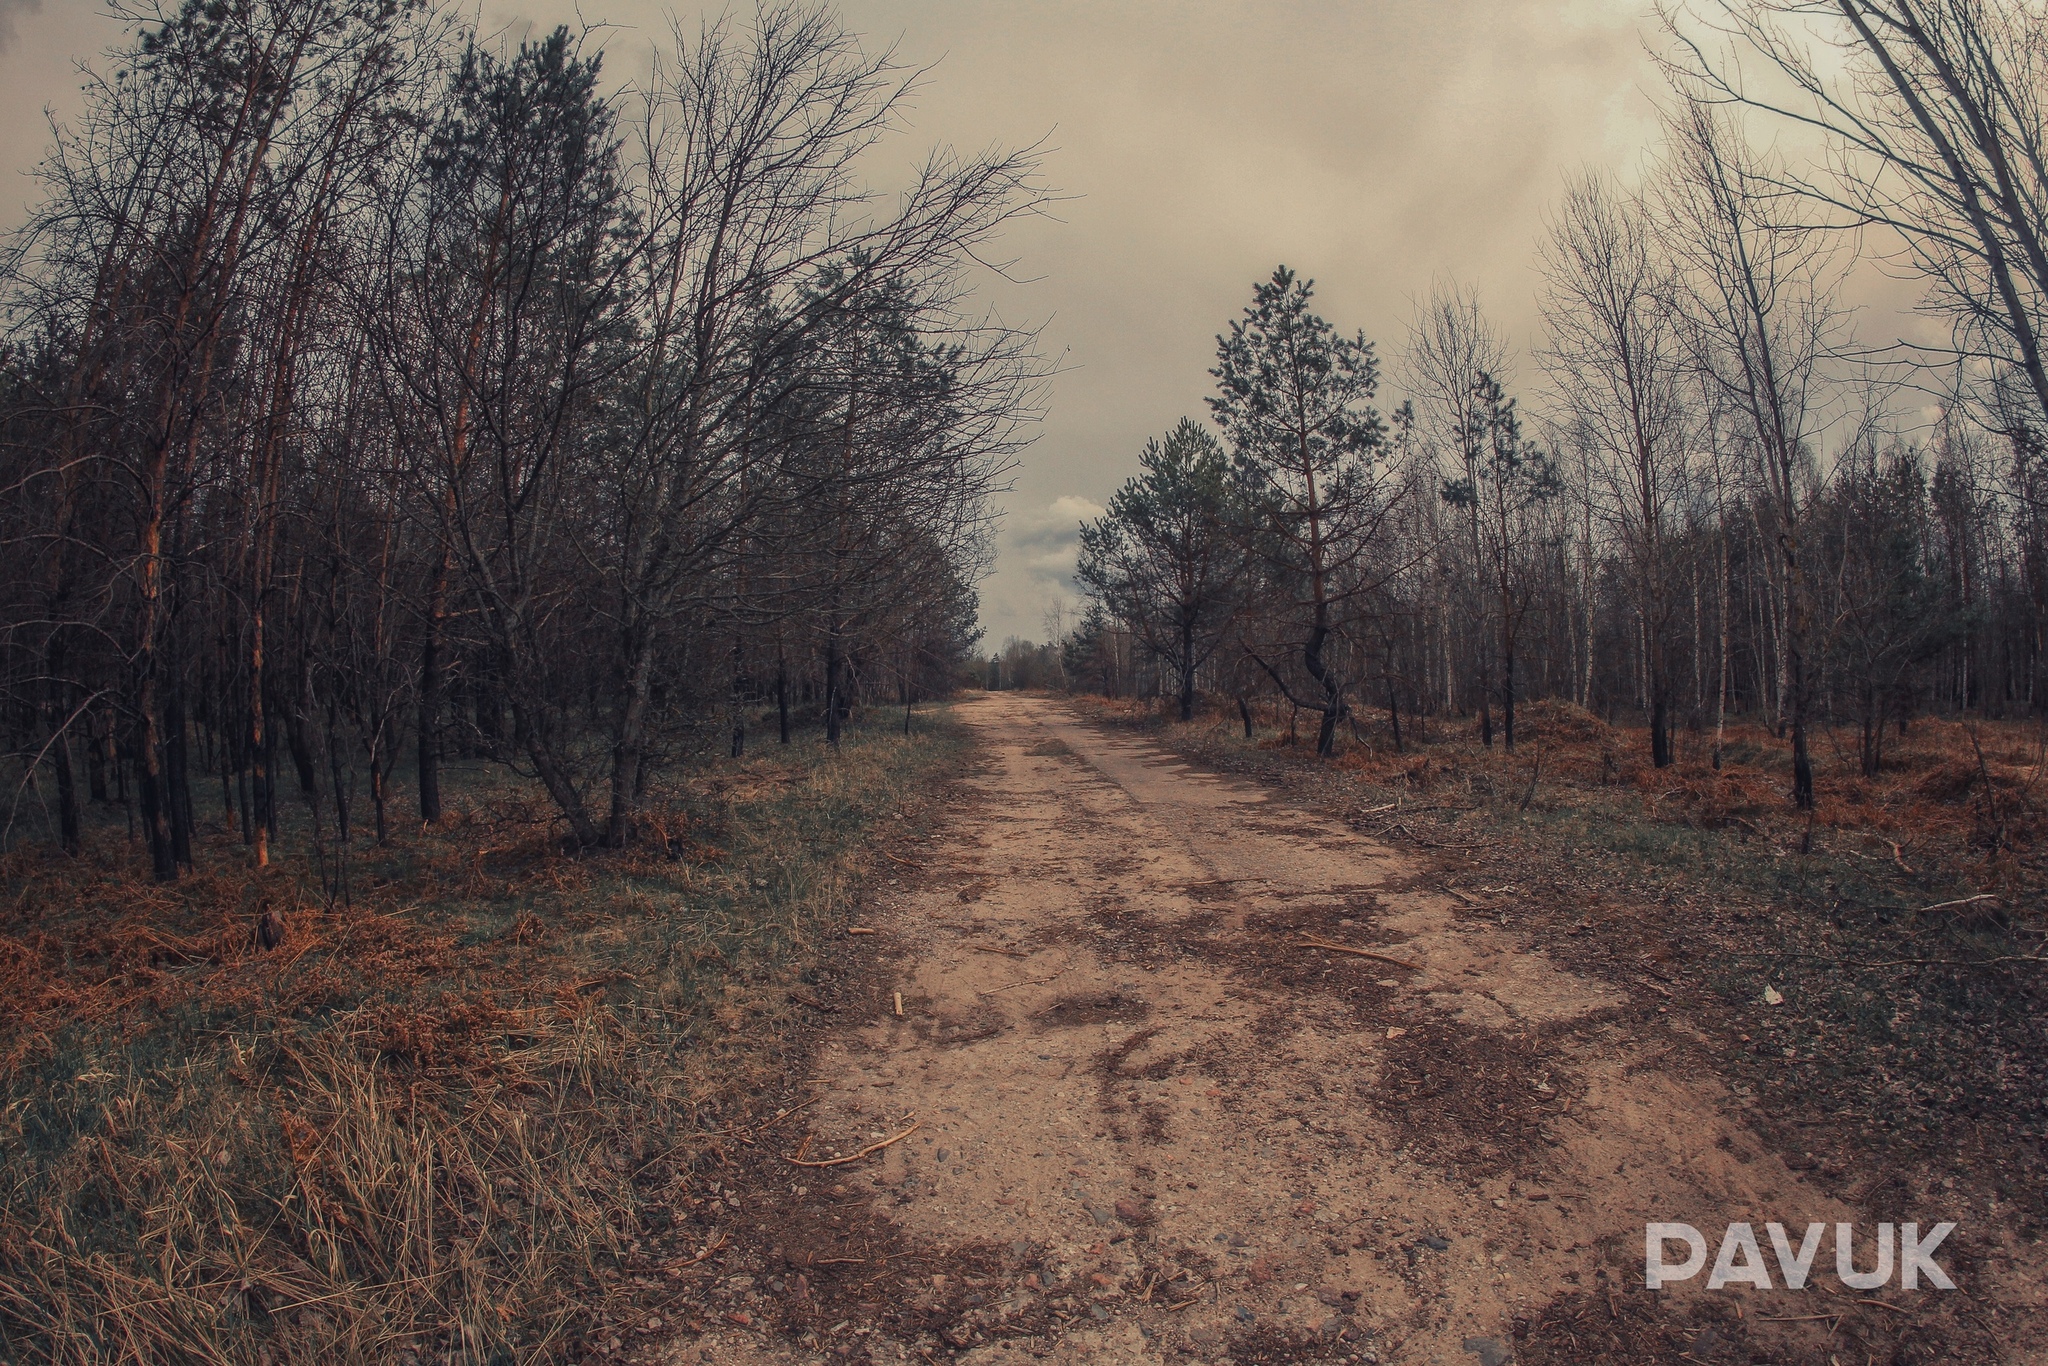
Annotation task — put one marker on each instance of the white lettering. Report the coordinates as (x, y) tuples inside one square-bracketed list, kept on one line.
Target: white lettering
[(1656, 1270), (1916, 1256), (1795, 1269), (1739, 1238), (1845, 1258)]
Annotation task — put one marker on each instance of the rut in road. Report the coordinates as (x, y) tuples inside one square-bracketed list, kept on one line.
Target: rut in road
[(1131, 1067)]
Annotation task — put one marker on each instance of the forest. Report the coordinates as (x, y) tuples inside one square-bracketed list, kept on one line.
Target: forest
[(375, 395), (514, 847), (1712, 497)]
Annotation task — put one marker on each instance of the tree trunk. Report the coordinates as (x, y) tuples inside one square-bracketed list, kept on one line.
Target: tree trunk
[(629, 742), (430, 697), (832, 666), (782, 698), (1507, 698)]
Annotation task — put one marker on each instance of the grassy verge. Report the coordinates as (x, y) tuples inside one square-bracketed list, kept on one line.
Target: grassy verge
[(1881, 1044), (431, 1124)]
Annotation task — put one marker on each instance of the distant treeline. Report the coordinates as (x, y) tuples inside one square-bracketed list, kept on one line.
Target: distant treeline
[(373, 393), (1711, 505)]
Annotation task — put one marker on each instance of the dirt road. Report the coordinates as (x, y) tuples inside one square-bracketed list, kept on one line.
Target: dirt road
[(1162, 1125)]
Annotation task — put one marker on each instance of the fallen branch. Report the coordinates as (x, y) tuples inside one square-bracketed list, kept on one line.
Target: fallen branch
[(1313, 942), (1007, 953), (1027, 982), (858, 929), (1959, 901), (706, 1254), (874, 1147), (1427, 844)]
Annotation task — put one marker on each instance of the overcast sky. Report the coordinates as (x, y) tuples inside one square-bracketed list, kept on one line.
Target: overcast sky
[(1369, 146)]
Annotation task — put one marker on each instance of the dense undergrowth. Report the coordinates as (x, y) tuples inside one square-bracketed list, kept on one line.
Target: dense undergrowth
[(424, 1124), (1872, 975)]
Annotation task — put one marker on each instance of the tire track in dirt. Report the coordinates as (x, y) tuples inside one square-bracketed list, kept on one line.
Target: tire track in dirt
[(1213, 1141)]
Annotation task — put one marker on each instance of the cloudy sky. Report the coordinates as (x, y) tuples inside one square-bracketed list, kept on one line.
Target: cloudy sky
[(1370, 146)]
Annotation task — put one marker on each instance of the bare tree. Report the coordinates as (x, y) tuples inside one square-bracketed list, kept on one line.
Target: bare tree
[(1756, 289), (1451, 346), (1614, 363)]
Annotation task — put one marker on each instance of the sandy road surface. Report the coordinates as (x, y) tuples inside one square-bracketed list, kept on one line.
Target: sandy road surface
[(1214, 1141)]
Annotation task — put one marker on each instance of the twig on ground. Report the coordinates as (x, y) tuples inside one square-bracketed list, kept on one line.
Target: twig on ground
[(874, 1147), (706, 1254), (1027, 982), (1959, 901), (1007, 953), (1313, 941), (1795, 1318)]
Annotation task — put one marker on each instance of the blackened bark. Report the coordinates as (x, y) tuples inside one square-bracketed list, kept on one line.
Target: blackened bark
[(430, 698), (782, 700)]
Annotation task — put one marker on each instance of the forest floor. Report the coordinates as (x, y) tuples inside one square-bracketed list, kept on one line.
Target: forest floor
[(1141, 1062)]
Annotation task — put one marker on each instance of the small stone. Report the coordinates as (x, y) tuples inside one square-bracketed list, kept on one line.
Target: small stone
[(1489, 1352), (740, 1317), (1433, 1243), (1129, 1210), (1244, 1315)]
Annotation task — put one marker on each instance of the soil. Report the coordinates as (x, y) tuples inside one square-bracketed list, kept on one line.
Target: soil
[(1148, 1120)]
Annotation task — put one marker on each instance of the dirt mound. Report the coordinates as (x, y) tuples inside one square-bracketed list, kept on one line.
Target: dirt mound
[(1558, 722), (1956, 779)]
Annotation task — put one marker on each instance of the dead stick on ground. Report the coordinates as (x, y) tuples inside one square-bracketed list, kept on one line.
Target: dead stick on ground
[(1795, 1318), (708, 1252), (1313, 942), (1960, 901), (1896, 1309), (858, 929), (1007, 953), (842, 1161), (899, 1004), (1027, 982)]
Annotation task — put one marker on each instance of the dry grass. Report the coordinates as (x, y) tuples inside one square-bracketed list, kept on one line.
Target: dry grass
[(1966, 798), (429, 1125)]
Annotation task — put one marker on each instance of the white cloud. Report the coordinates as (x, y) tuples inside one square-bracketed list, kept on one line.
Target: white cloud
[(1036, 548)]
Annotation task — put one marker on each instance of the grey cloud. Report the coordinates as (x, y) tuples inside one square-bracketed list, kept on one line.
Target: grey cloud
[(10, 10)]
